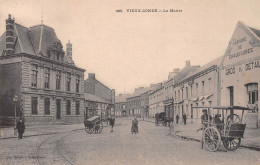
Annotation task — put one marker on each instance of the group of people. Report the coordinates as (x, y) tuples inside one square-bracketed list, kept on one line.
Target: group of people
[(134, 128), (184, 117)]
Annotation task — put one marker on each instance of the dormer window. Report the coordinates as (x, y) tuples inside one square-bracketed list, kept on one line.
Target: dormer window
[(55, 51)]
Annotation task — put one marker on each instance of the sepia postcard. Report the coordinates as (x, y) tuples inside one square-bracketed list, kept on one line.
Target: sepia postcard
[(129, 82)]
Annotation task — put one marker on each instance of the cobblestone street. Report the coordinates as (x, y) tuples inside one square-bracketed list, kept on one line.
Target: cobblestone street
[(152, 145)]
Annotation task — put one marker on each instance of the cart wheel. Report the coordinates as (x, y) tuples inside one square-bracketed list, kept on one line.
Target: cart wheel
[(98, 127), (233, 119), (211, 139), (89, 130), (163, 123), (231, 143)]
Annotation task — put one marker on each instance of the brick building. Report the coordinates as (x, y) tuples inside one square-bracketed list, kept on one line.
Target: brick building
[(138, 103), (105, 97), (198, 88), (120, 105), (34, 67), (156, 99), (172, 99)]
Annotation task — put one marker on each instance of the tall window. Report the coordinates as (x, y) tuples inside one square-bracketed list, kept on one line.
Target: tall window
[(34, 105), (34, 72), (191, 94), (58, 80), (68, 108), (182, 94), (202, 87), (252, 92), (77, 107), (68, 81), (47, 106), (197, 86), (47, 78), (209, 84), (77, 83), (179, 95), (187, 92), (175, 96)]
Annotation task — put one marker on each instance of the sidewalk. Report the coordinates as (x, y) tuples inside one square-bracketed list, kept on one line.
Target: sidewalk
[(251, 136), (7, 133)]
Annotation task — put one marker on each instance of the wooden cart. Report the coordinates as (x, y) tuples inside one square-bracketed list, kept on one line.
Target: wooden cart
[(93, 125), (227, 131)]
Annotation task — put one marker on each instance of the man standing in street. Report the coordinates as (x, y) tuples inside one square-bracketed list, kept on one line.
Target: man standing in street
[(112, 123), (20, 126), (177, 118), (184, 118)]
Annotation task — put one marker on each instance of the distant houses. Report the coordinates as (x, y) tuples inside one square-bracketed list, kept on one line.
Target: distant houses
[(231, 79)]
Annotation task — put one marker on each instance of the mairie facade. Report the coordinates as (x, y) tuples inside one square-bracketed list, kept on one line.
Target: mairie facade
[(35, 68)]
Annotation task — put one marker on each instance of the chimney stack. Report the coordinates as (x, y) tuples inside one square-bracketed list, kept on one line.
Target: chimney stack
[(187, 63), (91, 76), (9, 35), (176, 70), (69, 52)]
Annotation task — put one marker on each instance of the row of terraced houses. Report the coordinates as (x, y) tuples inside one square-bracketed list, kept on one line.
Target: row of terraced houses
[(231, 79), (40, 82)]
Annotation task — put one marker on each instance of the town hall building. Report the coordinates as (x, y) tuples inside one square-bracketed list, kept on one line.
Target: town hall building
[(37, 77)]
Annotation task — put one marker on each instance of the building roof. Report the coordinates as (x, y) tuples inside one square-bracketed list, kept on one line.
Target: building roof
[(94, 98), (208, 65), (121, 98), (257, 32), (183, 73), (35, 40)]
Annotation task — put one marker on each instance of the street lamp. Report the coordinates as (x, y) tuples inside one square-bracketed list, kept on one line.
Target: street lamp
[(15, 99)]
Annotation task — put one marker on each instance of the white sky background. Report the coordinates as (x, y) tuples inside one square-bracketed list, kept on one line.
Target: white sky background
[(128, 50)]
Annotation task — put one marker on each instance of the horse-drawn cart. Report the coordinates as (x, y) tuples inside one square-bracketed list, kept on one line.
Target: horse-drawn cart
[(93, 124), (227, 131), (161, 118)]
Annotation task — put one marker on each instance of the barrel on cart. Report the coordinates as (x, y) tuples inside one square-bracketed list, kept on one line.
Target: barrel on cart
[(93, 125)]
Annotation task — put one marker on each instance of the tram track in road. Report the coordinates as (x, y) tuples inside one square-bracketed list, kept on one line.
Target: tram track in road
[(48, 152)]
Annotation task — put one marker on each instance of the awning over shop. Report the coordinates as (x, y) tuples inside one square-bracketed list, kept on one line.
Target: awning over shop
[(208, 96), (201, 97), (179, 102), (165, 104), (194, 99)]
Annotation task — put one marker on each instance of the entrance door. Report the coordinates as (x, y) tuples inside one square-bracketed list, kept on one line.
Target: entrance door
[(231, 95), (58, 108)]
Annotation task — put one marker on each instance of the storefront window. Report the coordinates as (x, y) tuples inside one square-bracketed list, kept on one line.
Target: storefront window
[(252, 96)]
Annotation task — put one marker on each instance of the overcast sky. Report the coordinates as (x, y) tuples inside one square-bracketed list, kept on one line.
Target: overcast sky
[(127, 50)]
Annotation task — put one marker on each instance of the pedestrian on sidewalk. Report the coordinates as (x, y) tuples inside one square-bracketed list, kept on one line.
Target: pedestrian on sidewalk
[(112, 123), (184, 118), (20, 126), (177, 118)]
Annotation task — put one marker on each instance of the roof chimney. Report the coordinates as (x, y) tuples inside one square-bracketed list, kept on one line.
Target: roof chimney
[(9, 35), (91, 76), (69, 52), (176, 70), (187, 63)]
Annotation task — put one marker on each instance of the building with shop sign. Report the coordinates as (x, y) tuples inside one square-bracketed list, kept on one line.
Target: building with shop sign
[(240, 72), (35, 68)]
